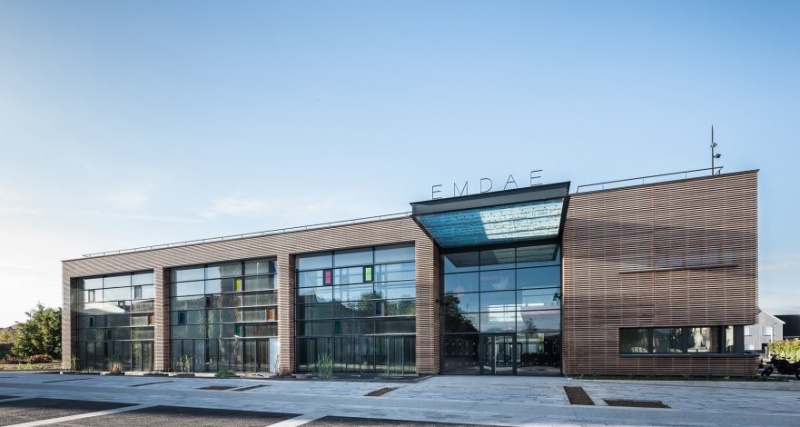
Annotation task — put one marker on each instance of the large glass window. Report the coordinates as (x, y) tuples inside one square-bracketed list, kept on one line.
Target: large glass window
[(359, 308), (115, 321), (223, 315), (679, 340), (503, 304)]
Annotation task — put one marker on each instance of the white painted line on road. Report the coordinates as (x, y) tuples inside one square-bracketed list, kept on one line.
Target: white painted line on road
[(80, 416), (294, 422)]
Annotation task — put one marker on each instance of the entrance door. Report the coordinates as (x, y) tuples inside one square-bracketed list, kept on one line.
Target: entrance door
[(498, 354)]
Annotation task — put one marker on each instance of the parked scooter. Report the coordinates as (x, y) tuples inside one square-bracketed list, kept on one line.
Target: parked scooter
[(784, 367)]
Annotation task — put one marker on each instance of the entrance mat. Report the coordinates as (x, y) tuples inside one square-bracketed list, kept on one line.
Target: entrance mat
[(637, 403), (38, 409), (331, 421), (217, 387), (578, 396), (380, 391), (184, 417)]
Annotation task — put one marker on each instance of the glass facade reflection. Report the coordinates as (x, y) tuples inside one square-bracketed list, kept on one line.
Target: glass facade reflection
[(503, 310), (357, 307), (114, 316), (223, 316)]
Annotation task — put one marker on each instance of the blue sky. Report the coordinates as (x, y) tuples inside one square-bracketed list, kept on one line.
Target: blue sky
[(132, 123)]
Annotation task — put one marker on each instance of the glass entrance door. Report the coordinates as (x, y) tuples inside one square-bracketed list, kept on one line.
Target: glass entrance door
[(498, 354)]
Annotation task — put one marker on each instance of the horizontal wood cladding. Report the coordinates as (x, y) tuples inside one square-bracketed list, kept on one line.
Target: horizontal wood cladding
[(680, 253), (284, 247)]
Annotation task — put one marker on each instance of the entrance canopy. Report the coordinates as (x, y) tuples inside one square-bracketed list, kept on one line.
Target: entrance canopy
[(523, 214)]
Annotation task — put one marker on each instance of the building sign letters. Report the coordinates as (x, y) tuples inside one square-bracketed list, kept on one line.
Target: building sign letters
[(485, 185)]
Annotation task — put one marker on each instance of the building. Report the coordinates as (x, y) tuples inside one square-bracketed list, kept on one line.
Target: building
[(791, 327), (769, 328), (643, 279)]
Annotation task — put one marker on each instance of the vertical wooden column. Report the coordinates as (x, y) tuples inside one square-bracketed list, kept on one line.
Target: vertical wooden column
[(162, 344), (69, 329), (286, 281), (428, 310)]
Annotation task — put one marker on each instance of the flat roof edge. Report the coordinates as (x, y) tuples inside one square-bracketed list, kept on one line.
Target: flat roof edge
[(234, 237)]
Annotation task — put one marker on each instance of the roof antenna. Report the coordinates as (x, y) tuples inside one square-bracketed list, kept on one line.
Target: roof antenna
[(713, 154)]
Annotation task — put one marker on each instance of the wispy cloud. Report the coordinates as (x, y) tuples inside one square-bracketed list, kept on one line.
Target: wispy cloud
[(251, 207), (129, 199), (789, 262)]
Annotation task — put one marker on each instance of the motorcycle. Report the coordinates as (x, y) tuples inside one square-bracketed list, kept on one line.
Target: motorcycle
[(784, 367)]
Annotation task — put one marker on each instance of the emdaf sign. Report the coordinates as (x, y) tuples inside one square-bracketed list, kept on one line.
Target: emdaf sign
[(485, 185)]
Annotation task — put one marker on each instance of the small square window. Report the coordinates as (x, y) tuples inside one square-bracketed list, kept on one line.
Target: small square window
[(137, 292), (91, 322), (368, 274), (181, 317), (150, 319), (238, 285), (327, 277), (271, 314)]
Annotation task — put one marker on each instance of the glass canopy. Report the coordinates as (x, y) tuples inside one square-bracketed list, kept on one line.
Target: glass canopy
[(496, 224)]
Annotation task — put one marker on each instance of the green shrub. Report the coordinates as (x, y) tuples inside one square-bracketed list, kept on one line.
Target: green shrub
[(324, 366), (225, 373)]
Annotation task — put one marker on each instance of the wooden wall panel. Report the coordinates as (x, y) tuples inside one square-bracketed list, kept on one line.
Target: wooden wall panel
[(284, 247), (679, 253)]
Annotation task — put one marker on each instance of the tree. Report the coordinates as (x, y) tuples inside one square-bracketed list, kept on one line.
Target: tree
[(41, 334), (7, 335)]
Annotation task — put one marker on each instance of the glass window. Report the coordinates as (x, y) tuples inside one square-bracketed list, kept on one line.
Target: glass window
[(498, 259), (187, 273), (394, 254), (259, 267), (344, 276), (703, 340), (539, 299), (213, 286), (464, 303), (142, 279), (537, 255), (394, 290), (217, 271), (498, 301), (311, 295), (460, 283), (499, 280), (634, 341), (309, 278), (667, 340), (117, 294), (542, 277), (259, 283), (353, 292), (314, 262), (188, 288), (395, 272), (352, 257), (117, 281), (461, 262), (96, 283), (183, 303)]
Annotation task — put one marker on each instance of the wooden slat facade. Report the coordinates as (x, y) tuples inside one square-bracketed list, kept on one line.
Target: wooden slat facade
[(680, 253), (282, 246)]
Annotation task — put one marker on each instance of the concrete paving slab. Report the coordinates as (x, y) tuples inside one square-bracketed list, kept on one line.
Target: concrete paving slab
[(171, 416), (36, 409)]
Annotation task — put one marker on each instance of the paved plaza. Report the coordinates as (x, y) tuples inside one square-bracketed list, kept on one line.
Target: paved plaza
[(33, 399)]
